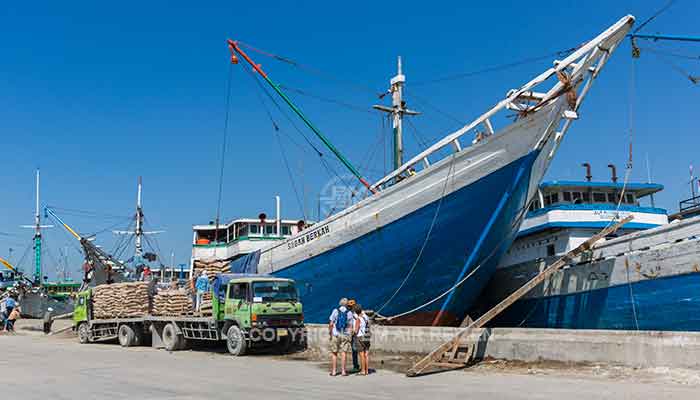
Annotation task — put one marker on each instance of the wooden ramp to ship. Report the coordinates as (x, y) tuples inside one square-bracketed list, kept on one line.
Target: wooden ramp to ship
[(458, 351)]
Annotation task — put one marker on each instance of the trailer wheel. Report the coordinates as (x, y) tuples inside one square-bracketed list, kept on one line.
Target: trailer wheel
[(171, 340), (83, 333), (235, 342), (138, 336), (126, 336)]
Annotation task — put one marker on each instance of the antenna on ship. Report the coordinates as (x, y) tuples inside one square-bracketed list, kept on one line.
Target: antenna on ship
[(138, 231), (37, 235), (397, 110), (139, 222)]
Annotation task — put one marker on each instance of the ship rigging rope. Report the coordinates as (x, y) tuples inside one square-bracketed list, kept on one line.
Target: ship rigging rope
[(427, 236), (521, 214), (500, 67), (329, 169), (327, 99), (276, 129), (223, 150), (656, 14), (314, 71)]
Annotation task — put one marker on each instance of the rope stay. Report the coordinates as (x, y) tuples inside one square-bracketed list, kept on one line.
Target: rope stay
[(276, 130), (495, 68), (236, 50), (324, 162), (223, 152), (427, 236)]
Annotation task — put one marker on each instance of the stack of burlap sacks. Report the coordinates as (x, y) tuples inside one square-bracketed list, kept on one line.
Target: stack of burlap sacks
[(211, 267), (172, 303), (206, 308), (120, 300)]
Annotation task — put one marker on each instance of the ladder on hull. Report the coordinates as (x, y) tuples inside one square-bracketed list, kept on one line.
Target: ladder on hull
[(458, 351)]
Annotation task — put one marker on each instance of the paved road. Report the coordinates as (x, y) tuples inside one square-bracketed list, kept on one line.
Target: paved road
[(35, 367)]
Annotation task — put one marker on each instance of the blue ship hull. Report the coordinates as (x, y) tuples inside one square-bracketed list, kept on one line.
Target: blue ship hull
[(472, 226), (670, 303)]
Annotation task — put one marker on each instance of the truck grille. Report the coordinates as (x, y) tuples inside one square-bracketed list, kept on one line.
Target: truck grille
[(279, 319)]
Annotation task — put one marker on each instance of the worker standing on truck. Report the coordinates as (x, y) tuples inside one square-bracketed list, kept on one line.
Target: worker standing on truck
[(340, 330), (202, 286)]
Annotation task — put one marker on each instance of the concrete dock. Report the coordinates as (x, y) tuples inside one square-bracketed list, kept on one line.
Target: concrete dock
[(40, 367), (640, 349)]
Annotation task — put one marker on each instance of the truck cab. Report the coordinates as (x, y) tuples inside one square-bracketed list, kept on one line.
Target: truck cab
[(257, 310)]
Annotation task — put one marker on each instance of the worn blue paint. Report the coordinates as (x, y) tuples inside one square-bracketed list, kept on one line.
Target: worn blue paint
[(670, 303), (482, 238), (371, 267)]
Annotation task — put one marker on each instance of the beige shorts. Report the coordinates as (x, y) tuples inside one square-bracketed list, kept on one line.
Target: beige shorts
[(340, 344)]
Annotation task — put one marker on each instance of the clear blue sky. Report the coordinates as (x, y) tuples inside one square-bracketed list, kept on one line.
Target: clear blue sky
[(97, 94)]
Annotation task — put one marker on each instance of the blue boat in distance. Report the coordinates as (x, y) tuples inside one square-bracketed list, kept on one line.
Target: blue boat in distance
[(419, 248)]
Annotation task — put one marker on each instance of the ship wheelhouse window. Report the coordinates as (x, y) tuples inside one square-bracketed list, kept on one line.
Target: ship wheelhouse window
[(554, 198), (629, 198), (567, 196), (242, 230), (599, 197), (550, 250), (269, 229), (286, 231), (254, 229), (611, 198), (586, 197)]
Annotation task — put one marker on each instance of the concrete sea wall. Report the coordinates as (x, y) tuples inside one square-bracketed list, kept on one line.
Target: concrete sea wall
[(629, 348)]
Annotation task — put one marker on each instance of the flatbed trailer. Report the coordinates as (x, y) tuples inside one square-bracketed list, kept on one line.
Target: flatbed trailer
[(241, 320)]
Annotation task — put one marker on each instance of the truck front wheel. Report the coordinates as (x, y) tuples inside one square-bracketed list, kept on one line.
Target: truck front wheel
[(83, 333), (235, 341), (126, 336)]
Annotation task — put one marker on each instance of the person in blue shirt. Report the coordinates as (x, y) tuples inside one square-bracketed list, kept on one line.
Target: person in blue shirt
[(9, 304), (202, 286)]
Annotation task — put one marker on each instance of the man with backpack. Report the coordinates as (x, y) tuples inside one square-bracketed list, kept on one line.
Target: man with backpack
[(340, 329)]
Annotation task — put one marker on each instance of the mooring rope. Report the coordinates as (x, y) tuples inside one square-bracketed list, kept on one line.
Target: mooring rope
[(521, 214), (427, 236)]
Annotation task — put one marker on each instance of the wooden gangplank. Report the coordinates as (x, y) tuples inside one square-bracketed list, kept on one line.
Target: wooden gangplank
[(447, 356)]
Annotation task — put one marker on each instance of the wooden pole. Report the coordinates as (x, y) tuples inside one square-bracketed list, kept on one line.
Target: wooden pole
[(435, 357)]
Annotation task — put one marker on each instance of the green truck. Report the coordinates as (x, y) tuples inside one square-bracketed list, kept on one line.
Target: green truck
[(248, 311)]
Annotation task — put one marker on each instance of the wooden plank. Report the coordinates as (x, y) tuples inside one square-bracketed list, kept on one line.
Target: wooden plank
[(454, 343)]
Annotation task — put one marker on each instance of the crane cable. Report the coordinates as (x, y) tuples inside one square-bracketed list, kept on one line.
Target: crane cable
[(223, 151), (276, 128)]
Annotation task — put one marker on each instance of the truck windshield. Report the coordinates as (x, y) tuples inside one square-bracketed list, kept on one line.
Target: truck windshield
[(275, 291)]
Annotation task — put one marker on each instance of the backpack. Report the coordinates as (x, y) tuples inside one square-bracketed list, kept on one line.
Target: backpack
[(342, 321)]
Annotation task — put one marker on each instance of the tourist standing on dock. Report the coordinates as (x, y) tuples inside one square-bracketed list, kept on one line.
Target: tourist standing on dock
[(340, 329), (202, 286), (362, 338), (355, 363)]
